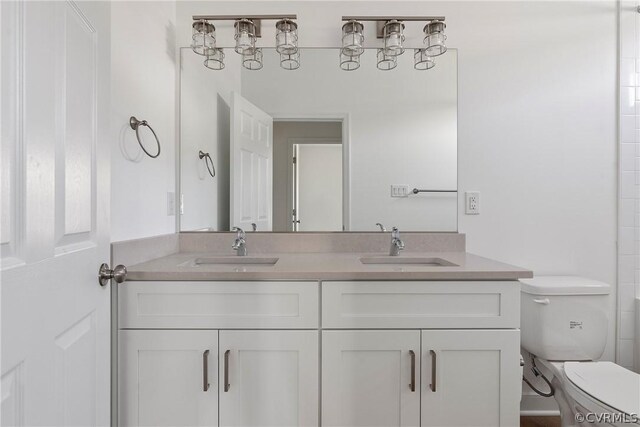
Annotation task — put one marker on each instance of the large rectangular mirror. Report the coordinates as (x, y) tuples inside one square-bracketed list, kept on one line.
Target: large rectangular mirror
[(318, 148)]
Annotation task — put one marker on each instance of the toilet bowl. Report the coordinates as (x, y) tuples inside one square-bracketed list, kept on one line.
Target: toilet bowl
[(564, 326)]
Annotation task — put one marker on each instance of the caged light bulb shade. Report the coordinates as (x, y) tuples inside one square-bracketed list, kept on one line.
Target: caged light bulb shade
[(203, 37), (252, 60), (214, 59), (386, 62), (434, 41), (422, 60), (245, 36), (393, 36), (349, 62), (286, 37), (290, 62), (352, 38)]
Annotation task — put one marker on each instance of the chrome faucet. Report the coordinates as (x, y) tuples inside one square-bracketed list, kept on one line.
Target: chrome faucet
[(239, 244), (381, 227), (397, 245)]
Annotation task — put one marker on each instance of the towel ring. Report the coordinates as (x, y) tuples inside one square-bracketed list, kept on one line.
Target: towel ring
[(208, 161), (135, 125)]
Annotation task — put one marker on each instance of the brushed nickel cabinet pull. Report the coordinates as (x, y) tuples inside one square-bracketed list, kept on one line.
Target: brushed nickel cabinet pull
[(226, 371), (433, 371), (205, 370), (412, 386)]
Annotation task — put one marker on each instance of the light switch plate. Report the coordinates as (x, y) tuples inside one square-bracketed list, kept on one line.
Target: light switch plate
[(472, 203), (399, 190)]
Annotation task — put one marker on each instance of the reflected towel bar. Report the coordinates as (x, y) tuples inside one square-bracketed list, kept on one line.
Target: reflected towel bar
[(416, 191)]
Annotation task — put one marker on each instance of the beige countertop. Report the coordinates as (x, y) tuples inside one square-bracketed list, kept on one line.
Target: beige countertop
[(324, 266)]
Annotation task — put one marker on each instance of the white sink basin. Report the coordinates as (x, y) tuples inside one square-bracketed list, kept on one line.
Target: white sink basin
[(409, 261), (237, 260)]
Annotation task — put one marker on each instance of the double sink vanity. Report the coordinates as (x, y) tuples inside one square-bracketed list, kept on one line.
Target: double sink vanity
[(311, 329)]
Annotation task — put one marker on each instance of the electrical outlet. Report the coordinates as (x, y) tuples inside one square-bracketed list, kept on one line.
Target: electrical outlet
[(472, 203), (171, 203), (399, 190)]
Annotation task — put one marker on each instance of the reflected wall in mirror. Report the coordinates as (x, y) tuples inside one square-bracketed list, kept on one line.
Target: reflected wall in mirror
[(318, 148)]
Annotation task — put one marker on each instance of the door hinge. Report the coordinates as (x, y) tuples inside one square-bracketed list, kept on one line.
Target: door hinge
[(294, 160)]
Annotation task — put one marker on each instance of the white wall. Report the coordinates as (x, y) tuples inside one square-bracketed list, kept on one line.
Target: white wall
[(537, 119), (205, 100), (402, 127), (143, 73)]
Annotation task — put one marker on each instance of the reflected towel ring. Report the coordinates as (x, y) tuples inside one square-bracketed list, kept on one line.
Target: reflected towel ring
[(208, 161), (135, 125)]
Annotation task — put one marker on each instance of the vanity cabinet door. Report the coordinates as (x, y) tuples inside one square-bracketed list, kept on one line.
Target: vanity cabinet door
[(168, 378), (269, 378), (371, 378), (470, 378)]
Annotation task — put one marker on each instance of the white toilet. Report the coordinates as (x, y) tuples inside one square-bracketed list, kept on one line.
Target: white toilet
[(564, 325)]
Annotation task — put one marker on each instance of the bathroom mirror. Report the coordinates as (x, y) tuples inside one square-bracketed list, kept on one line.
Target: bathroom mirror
[(318, 148)]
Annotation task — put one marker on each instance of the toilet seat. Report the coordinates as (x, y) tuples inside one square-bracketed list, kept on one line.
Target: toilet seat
[(607, 382)]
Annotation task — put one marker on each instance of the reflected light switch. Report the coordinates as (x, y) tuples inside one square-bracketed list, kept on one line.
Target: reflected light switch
[(399, 190)]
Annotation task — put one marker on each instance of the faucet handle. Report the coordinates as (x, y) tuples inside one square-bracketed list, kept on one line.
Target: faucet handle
[(254, 226), (240, 231), (395, 233), (381, 226)]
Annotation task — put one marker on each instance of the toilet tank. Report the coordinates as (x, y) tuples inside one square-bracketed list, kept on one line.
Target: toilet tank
[(564, 317)]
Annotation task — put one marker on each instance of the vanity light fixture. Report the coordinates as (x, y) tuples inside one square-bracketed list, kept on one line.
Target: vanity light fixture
[(393, 36), (391, 30), (386, 62), (252, 60), (286, 37), (422, 60), (245, 36), (352, 39), (348, 62), (214, 59), (434, 41), (247, 31), (290, 62), (203, 37)]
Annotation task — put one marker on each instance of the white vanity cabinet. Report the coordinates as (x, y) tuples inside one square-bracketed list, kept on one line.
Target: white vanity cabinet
[(470, 378), (370, 378), (168, 378), (269, 378), (308, 353)]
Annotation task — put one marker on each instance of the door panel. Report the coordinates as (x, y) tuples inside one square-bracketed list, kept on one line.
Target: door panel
[(251, 166), (477, 370), (366, 378), (162, 378), (55, 125), (319, 187), (272, 378)]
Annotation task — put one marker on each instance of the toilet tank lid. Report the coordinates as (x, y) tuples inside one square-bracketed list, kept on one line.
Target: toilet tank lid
[(564, 285)]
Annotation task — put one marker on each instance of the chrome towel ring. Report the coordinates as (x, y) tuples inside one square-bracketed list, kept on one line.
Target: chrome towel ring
[(135, 125), (209, 162)]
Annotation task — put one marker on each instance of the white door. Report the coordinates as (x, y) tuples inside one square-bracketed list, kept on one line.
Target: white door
[(318, 187), (168, 378), (251, 193), (477, 370), (370, 378), (55, 210), (268, 378)]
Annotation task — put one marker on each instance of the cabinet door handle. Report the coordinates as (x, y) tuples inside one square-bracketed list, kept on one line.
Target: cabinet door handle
[(226, 371), (433, 371), (205, 370), (412, 386)]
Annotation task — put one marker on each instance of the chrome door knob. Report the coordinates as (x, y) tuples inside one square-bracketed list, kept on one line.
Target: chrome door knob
[(119, 274)]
